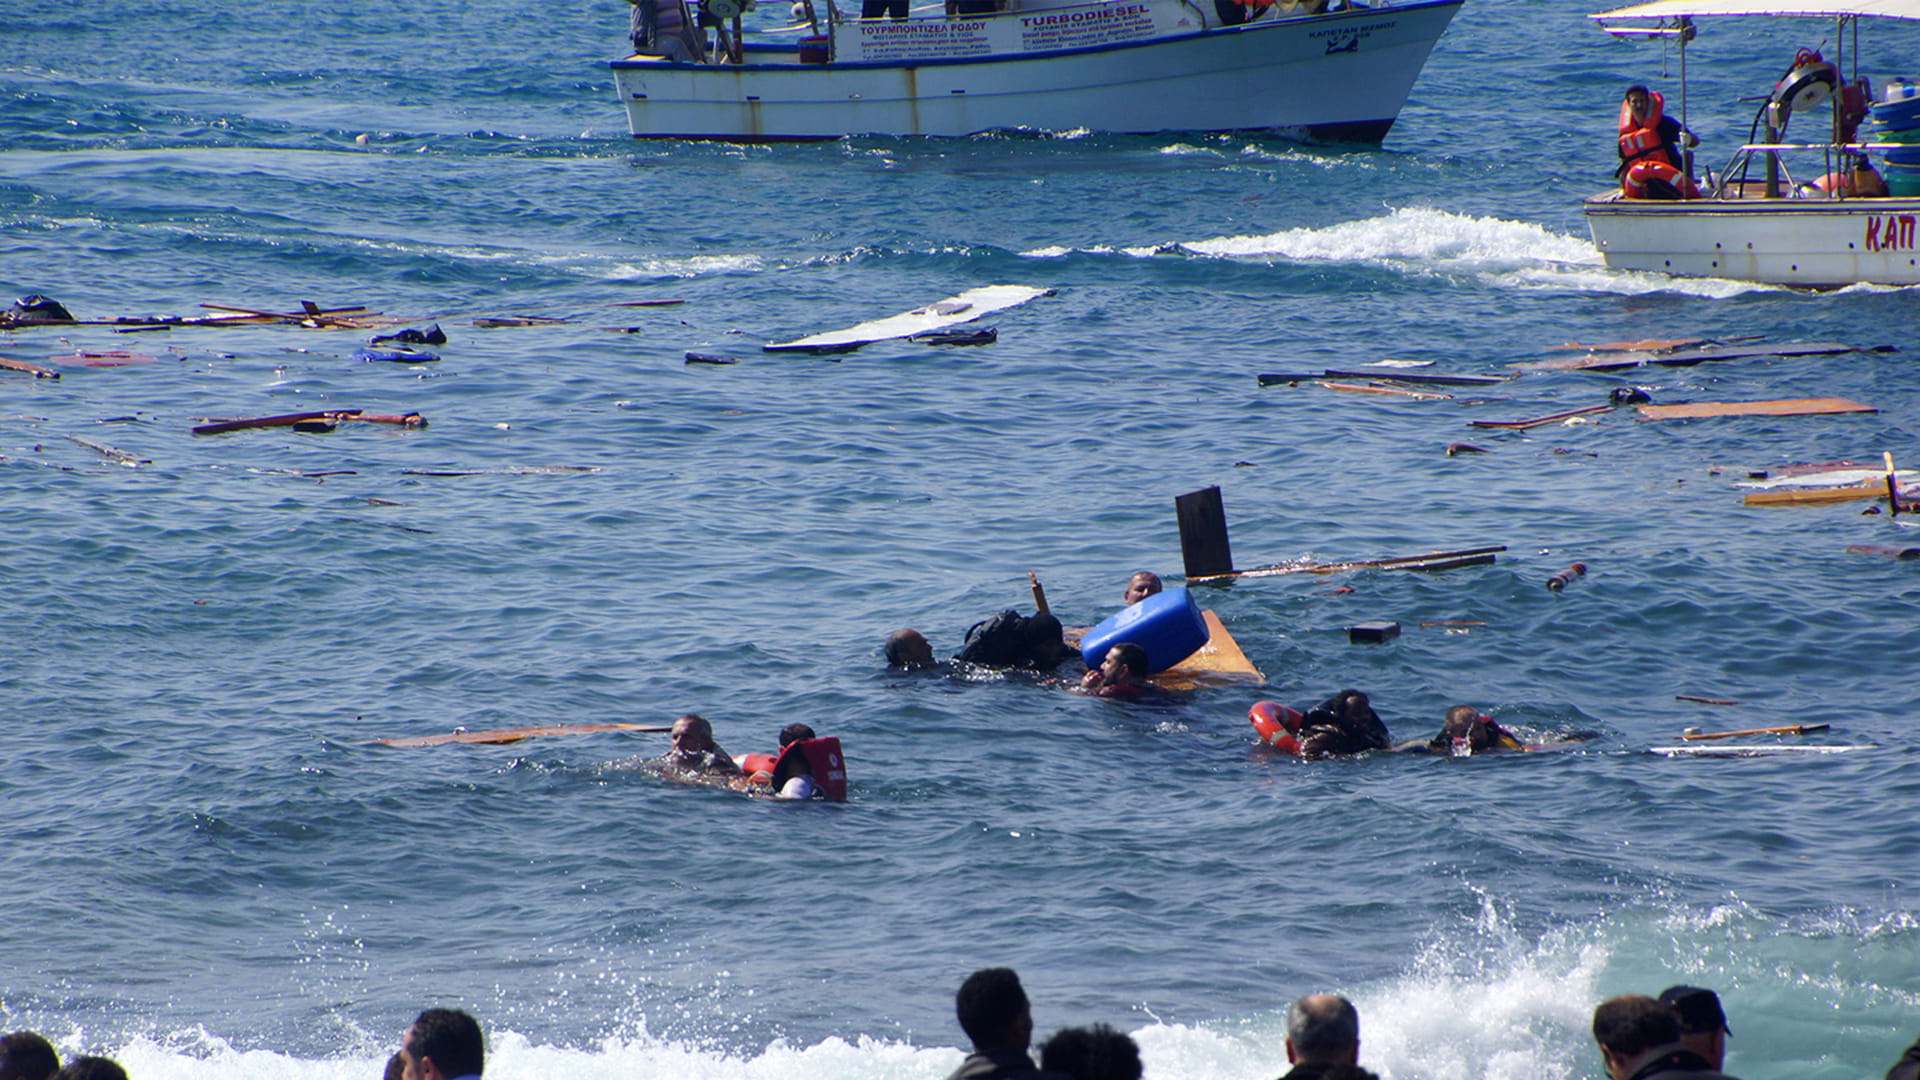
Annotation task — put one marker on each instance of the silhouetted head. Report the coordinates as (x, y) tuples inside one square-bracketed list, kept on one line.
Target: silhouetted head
[(993, 1010), (794, 733), (444, 1044), (1046, 642), (1323, 1029), (1091, 1053), (1628, 1026), (27, 1055), (908, 648)]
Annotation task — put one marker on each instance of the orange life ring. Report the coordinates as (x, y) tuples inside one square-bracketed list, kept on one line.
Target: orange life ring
[(1277, 725), (1637, 183)]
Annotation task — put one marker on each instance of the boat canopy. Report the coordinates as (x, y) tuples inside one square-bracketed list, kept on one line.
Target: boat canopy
[(1694, 9)]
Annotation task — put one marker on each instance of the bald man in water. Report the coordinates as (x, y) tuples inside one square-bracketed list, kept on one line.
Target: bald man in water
[(1142, 584), (693, 751)]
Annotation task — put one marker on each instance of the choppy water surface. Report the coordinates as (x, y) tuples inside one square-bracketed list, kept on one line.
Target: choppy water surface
[(212, 874)]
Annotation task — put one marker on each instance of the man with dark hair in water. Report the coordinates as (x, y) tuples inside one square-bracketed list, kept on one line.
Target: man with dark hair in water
[(92, 1067), (1142, 584), (27, 1055), (1343, 724), (1640, 1040), (693, 752), (908, 648), (993, 1011), (1323, 1034), (1122, 673), (443, 1044), (1091, 1053)]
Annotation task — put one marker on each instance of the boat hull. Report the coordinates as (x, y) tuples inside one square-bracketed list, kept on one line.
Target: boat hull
[(1811, 243), (1342, 76)]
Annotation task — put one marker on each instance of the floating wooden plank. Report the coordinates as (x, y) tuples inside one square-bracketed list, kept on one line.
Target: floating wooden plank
[(1644, 345), (506, 321), (1904, 554), (1392, 391), (1784, 729), (504, 736), (1747, 751), (113, 454), (1421, 377), (1292, 378), (966, 307), (1522, 425), (323, 417), (646, 303), (1217, 663), (1783, 407), (1432, 560), (1803, 496), (1684, 357), (1706, 700), (29, 369), (105, 358)]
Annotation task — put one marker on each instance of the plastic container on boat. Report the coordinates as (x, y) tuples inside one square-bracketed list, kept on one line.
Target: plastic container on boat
[(1168, 625), (1902, 180), (1897, 115), (1899, 90)]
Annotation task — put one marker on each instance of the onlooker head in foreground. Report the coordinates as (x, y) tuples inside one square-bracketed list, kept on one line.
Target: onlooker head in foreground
[(443, 1044), (908, 648), (1640, 1040), (1323, 1032), (1142, 584), (993, 1011), (26, 1055), (1703, 1024), (396, 1067), (92, 1068), (1091, 1053)]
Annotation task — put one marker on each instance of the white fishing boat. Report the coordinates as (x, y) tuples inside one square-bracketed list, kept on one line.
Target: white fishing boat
[(1338, 72), (1784, 212)]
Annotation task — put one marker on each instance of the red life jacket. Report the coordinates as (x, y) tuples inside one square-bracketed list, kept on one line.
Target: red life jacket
[(1640, 139), (823, 760)]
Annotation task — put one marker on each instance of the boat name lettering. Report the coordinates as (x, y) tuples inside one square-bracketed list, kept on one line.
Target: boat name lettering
[(921, 29), (1360, 31), (1891, 233), (1098, 14)]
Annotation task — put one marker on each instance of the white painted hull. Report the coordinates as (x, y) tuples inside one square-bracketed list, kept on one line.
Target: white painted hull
[(1267, 75), (1814, 243)]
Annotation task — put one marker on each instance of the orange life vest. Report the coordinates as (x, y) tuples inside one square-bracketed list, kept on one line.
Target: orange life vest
[(1640, 139)]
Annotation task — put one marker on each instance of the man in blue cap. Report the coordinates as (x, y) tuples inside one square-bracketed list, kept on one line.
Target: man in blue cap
[(1703, 1024)]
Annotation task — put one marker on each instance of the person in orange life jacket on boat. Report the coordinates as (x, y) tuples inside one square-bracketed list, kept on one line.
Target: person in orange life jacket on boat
[(1122, 673), (1650, 163)]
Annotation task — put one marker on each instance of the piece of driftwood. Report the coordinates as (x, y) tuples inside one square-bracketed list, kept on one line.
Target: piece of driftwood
[(1684, 356), (1872, 489), (1522, 425), (1783, 407), (502, 321), (1432, 560), (1392, 391), (321, 421), (1420, 377), (504, 736), (1784, 729), (1275, 378), (1904, 554), (1567, 577), (711, 358), (1706, 700), (111, 453), (1454, 449), (310, 315), (1455, 622), (29, 369), (645, 303)]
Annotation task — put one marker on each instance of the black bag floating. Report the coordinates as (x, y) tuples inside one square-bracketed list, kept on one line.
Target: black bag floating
[(997, 642)]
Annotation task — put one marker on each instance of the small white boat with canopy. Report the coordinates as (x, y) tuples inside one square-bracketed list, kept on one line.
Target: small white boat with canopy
[(1810, 211), (1336, 71)]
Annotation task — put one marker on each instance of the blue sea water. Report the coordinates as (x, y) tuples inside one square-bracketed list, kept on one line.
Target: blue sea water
[(211, 873)]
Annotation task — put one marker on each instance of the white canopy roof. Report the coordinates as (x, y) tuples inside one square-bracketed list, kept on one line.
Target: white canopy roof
[(1667, 9)]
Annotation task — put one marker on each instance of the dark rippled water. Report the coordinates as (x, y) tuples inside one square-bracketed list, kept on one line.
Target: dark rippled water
[(212, 875)]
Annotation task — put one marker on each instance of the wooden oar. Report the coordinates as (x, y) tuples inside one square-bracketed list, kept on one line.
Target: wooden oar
[(514, 735), (1786, 729), (1039, 594)]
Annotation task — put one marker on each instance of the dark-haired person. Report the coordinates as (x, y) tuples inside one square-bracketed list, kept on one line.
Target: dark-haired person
[(1703, 1024), (1091, 1053), (27, 1055), (91, 1067), (1122, 673), (1323, 1034), (993, 1011), (1142, 584), (1640, 1040), (1908, 1067), (1341, 725), (443, 1044)]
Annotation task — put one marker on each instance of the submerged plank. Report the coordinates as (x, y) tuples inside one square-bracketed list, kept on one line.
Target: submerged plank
[(1522, 425), (1218, 662), (503, 736), (1683, 357), (1783, 407)]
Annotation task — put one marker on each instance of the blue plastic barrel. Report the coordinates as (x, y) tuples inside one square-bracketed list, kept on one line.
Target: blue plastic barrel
[(1168, 625)]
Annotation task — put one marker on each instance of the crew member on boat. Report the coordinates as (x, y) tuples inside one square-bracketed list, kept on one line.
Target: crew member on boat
[(663, 28), (1650, 163)]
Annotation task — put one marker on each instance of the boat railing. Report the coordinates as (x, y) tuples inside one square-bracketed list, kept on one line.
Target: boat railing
[(1777, 179)]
